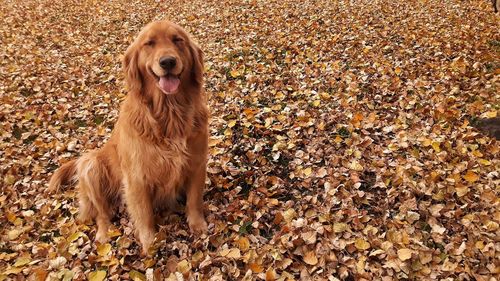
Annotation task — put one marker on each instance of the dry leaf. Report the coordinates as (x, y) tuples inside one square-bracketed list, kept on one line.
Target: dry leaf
[(361, 244), (310, 258), (136, 276), (471, 177), (335, 136), (98, 275), (255, 267), (103, 249), (404, 254), (270, 274), (243, 244)]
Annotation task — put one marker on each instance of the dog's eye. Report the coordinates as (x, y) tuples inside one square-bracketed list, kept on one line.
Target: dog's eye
[(149, 43), (178, 40)]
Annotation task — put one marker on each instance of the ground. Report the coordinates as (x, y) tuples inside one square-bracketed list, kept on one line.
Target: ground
[(342, 139)]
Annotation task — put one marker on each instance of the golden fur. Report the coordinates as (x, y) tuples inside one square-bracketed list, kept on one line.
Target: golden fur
[(158, 148)]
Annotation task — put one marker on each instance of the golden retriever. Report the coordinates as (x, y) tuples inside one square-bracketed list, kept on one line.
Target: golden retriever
[(158, 148)]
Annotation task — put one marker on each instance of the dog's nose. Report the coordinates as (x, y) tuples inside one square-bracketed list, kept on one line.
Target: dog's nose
[(167, 62)]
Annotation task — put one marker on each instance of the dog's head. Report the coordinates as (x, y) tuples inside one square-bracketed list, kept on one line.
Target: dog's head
[(163, 55)]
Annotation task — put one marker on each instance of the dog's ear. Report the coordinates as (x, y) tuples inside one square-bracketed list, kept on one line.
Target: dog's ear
[(133, 78), (197, 68)]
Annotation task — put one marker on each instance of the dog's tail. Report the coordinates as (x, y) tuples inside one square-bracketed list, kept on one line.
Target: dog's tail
[(63, 175)]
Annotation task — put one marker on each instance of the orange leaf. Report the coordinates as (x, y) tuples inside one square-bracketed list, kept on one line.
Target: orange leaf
[(470, 176), (255, 267)]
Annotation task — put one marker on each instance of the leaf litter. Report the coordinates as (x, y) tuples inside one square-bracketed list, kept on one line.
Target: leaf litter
[(342, 139)]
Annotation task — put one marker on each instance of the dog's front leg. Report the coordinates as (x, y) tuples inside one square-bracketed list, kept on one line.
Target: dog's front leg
[(140, 208), (194, 200)]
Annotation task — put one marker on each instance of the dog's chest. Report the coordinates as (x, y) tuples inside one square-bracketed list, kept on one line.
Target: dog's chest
[(168, 160)]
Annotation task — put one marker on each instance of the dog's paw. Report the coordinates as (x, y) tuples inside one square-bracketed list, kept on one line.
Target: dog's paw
[(147, 239), (198, 226), (101, 236)]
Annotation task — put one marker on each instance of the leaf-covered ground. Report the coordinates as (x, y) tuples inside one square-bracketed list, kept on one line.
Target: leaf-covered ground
[(342, 140)]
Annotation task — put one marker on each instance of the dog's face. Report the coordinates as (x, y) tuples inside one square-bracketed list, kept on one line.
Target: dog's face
[(163, 55)]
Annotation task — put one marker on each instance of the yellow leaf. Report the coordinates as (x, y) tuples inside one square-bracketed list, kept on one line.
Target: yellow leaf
[(243, 244), (235, 73), (491, 226), (113, 232), (470, 176), (484, 162), (307, 171), (397, 70), (361, 244), (137, 276), (316, 103), (13, 270), (183, 266), (149, 263), (103, 249), (231, 123), (404, 254), (356, 166), (436, 146), (9, 179), (310, 258), (339, 227), (489, 114), (22, 261), (289, 215), (75, 236), (426, 142), (97, 275), (14, 233), (213, 142)]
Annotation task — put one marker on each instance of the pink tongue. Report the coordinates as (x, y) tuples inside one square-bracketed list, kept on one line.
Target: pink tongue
[(169, 84)]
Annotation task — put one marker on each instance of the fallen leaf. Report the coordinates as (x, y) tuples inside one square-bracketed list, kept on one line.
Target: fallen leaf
[(361, 244), (310, 258), (103, 249), (404, 254), (137, 276), (471, 177), (270, 274), (243, 244), (98, 275), (255, 267)]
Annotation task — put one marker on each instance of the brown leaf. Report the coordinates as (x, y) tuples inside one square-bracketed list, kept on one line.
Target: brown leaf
[(310, 258)]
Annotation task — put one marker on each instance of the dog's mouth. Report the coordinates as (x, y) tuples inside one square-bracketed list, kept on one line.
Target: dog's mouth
[(169, 83)]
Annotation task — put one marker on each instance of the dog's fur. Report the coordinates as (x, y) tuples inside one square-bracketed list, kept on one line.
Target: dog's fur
[(158, 149)]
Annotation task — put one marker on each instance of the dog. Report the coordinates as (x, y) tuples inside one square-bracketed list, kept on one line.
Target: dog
[(158, 148)]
